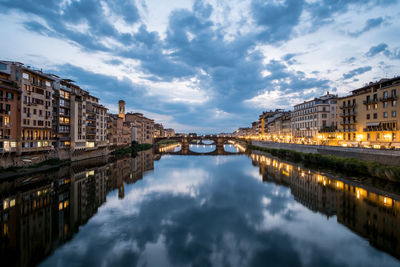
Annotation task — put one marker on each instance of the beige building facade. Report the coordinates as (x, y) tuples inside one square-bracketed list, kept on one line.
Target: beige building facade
[(312, 117), (369, 117)]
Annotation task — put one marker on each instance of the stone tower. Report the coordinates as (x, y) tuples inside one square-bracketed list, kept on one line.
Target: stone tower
[(121, 109)]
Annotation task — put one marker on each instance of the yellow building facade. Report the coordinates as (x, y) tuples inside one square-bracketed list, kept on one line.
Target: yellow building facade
[(369, 117)]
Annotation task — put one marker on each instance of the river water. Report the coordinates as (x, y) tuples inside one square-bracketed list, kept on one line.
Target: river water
[(176, 210)]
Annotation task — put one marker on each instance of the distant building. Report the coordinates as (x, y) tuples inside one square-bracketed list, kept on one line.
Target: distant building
[(144, 127), (159, 130), (169, 132), (311, 117)]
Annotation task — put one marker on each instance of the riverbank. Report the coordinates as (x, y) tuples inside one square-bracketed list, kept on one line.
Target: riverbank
[(352, 166), (47, 165), (383, 156), (55, 163), (132, 149)]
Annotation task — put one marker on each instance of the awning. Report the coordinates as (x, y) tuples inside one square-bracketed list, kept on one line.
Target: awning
[(373, 124)]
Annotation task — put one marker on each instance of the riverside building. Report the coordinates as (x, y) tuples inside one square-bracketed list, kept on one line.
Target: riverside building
[(369, 116), (10, 110), (36, 106), (144, 127), (312, 117)]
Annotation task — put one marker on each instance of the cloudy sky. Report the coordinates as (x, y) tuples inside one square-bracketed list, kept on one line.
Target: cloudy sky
[(206, 66)]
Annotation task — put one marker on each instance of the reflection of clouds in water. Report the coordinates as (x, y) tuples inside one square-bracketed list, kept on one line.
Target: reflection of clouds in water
[(174, 182), (220, 160), (204, 214)]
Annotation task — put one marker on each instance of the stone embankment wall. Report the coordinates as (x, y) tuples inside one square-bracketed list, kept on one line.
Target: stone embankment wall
[(8, 160), (389, 157)]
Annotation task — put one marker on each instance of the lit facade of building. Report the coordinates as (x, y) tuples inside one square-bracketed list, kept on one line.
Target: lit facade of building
[(10, 113), (312, 117), (62, 103), (36, 109), (368, 117)]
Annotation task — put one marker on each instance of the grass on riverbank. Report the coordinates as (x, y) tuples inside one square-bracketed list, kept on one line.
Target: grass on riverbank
[(48, 162), (351, 166), (132, 149)]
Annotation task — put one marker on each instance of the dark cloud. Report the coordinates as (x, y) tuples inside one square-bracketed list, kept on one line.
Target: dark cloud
[(369, 25), (356, 72), (276, 19), (63, 18), (374, 50), (324, 11)]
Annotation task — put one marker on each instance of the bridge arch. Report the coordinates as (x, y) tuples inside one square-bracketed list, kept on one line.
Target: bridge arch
[(218, 141)]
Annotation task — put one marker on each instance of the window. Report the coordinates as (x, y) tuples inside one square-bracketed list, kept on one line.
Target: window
[(368, 136), (375, 106), (385, 95), (394, 93), (375, 115), (394, 113), (368, 107), (3, 66), (394, 102), (393, 136), (385, 114), (385, 104), (10, 95), (368, 116), (25, 75), (378, 136)]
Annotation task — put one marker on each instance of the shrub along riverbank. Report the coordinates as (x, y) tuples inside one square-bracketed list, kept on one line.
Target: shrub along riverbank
[(343, 165), (132, 149)]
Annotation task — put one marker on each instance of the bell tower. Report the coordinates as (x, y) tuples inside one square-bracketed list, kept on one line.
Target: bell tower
[(121, 109)]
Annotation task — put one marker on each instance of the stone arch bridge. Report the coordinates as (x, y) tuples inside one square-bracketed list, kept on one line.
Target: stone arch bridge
[(218, 141)]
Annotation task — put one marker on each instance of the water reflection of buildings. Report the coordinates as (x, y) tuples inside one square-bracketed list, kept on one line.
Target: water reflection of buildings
[(368, 211), (41, 212)]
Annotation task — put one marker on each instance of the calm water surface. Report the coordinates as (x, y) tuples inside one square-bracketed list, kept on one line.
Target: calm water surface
[(171, 210)]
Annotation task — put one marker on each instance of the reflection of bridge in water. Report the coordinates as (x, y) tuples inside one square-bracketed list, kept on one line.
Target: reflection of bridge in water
[(217, 141)]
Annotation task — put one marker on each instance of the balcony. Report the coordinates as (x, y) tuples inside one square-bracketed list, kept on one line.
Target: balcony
[(352, 105), (348, 122), (91, 118), (348, 130), (345, 114), (388, 98), (371, 101), (65, 88), (379, 129), (90, 132), (92, 125)]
